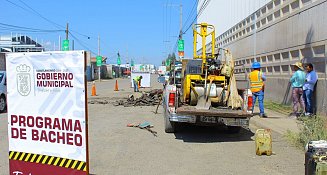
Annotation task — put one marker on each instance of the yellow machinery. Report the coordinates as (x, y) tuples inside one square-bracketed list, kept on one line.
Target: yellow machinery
[(195, 85)]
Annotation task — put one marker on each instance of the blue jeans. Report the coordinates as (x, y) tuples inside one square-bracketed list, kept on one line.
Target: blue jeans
[(260, 96), (307, 97), (136, 87)]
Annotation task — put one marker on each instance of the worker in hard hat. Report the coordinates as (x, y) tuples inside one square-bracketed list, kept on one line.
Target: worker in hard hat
[(257, 78), (136, 82)]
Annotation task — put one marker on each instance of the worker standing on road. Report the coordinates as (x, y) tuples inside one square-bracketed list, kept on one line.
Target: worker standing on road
[(136, 82), (257, 79), (297, 80), (308, 88)]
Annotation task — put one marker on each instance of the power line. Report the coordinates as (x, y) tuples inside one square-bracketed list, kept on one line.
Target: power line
[(27, 29), (10, 26), (82, 44), (37, 13), (17, 5), (191, 13), (203, 7), (33, 11)]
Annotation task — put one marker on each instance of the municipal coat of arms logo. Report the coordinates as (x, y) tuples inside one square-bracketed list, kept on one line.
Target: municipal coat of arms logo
[(23, 79)]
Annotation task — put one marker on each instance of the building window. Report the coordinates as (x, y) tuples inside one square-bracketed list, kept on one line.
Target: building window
[(319, 51), (295, 54), (286, 9), (277, 69), (277, 57), (286, 55), (295, 4), (277, 2), (264, 59), (285, 68), (304, 2), (277, 14)]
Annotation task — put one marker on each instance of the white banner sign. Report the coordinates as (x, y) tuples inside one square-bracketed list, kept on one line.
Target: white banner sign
[(47, 110)]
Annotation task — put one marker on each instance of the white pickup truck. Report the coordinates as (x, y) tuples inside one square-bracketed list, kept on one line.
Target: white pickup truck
[(3, 92)]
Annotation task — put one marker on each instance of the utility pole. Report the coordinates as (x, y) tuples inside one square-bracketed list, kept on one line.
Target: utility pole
[(59, 43), (67, 31), (99, 55), (181, 20), (73, 46), (99, 45), (180, 34)]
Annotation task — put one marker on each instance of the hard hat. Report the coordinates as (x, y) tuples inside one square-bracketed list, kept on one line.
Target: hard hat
[(256, 65)]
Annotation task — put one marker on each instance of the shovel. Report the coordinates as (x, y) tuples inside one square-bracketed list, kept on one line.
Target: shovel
[(204, 101)]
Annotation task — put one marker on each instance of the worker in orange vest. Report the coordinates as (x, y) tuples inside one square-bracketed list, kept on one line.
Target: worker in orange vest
[(257, 85)]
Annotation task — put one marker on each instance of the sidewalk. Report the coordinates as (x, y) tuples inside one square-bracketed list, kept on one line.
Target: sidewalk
[(277, 122)]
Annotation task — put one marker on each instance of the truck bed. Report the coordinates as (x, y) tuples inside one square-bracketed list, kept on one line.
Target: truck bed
[(214, 112)]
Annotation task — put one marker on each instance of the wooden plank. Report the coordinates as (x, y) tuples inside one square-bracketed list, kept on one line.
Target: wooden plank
[(228, 113)]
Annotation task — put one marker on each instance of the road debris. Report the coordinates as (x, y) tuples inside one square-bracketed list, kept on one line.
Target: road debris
[(145, 125), (103, 100), (150, 98), (98, 101)]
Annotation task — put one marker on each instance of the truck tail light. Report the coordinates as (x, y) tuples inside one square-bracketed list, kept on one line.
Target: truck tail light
[(171, 102), (250, 102)]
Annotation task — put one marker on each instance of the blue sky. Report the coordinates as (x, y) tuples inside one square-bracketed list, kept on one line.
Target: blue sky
[(135, 28)]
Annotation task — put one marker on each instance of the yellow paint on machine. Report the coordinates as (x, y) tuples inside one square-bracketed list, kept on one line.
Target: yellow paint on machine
[(199, 78), (263, 142)]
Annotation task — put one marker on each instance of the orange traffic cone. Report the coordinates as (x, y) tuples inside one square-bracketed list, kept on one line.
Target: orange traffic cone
[(94, 91), (116, 86), (138, 85)]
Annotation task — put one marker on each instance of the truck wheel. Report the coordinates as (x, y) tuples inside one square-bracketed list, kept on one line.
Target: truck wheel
[(3, 104), (169, 126), (233, 129)]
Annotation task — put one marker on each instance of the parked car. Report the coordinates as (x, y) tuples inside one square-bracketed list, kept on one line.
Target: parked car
[(3, 91)]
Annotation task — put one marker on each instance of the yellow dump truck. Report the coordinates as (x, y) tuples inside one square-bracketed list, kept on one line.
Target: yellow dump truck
[(207, 94)]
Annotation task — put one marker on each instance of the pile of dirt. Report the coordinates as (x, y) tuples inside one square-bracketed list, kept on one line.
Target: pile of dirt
[(150, 98)]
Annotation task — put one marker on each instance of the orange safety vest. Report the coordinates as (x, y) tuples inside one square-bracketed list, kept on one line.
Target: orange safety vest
[(256, 82)]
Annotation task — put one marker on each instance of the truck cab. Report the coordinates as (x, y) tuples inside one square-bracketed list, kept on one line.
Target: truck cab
[(3, 92)]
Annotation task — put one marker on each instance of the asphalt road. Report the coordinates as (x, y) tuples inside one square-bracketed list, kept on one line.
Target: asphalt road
[(117, 149)]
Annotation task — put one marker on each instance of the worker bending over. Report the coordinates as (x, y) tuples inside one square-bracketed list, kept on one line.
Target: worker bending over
[(136, 82), (257, 85)]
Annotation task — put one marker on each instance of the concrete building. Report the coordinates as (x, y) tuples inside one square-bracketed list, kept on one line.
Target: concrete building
[(278, 34), (16, 43), (19, 43)]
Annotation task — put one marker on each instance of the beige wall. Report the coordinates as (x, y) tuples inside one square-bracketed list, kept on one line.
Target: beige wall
[(279, 34)]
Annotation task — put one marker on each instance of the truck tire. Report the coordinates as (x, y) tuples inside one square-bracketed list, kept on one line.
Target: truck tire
[(233, 129), (3, 104), (169, 126)]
